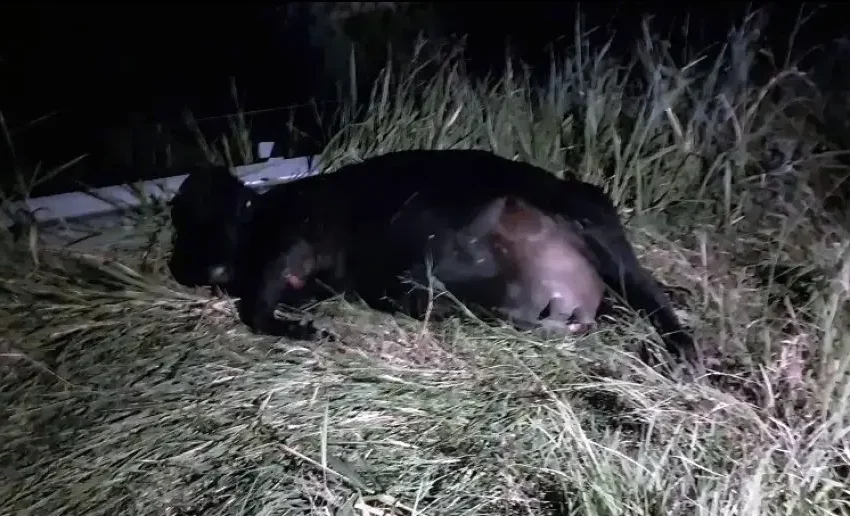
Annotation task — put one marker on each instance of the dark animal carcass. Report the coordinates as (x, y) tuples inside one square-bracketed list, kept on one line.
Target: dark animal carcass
[(367, 226)]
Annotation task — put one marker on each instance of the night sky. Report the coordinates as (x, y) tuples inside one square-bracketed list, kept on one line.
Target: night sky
[(96, 64)]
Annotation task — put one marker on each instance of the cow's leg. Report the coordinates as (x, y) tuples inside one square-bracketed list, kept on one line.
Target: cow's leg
[(518, 306), (285, 279)]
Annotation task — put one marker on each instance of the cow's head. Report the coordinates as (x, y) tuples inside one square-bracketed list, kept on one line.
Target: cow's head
[(209, 215)]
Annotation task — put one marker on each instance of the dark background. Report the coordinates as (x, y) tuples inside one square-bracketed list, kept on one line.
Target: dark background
[(95, 68)]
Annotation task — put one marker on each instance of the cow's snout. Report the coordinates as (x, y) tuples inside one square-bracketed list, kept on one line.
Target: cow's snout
[(219, 274)]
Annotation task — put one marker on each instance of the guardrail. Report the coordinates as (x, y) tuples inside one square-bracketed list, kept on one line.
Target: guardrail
[(112, 199)]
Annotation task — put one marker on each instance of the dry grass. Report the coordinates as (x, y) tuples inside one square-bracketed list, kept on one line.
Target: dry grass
[(123, 393)]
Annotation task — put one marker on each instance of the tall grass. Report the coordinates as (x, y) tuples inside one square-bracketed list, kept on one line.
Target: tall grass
[(720, 155)]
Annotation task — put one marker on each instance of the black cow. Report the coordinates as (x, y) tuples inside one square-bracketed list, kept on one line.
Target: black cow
[(368, 225)]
